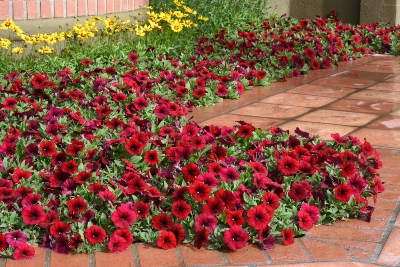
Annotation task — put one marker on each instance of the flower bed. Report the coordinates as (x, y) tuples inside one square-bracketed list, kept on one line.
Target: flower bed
[(101, 156)]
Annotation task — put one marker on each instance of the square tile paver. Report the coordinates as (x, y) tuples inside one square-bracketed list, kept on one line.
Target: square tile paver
[(385, 86), (298, 100), (338, 117), (271, 111), (324, 251), (386, 96), (397, 112), (348, 82), (323, 130), (387, 122), (391, 251), (321, 90), (370, 106)]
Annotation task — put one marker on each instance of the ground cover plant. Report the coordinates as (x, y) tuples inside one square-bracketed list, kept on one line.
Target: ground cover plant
[(99, 154)]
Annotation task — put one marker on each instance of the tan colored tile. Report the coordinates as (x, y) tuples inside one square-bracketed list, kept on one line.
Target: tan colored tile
[(374, 224), (350, 82), (150, 256), (387, 122), (231, 120), (324, 251), (377, 95), (396, 113), (397, 223), (250, 253), (321, 90), (389, 196), (355, 105), (395, 79), (385, 205), (327, 264), (298, 100), (323, 130), (364, 75), (354, 234), (386, 86), (378, 137), (124, 258), (293, 252), (378, 68), (76, 260), (194, 256), (371, 246), (271, 111), (382, 214), (391, 251), (362, 254), (338, 117)]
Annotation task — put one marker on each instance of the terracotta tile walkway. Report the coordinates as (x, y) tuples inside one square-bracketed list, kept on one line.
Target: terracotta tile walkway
[(361, 98)]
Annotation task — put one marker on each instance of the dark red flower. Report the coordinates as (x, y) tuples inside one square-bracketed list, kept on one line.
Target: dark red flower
[(189, 131), (10, 103), (59, 228), (95, 234), (288, 236), (47, 148), (208, 178), (313, 211), (213, 206), (125, 234), (309, 53), (86, 62), (229, 174), (199, 92), (76, 205), (140, 103), (288, 166), (201, 238), (162, 222), (24, 252), (261, 74), (69, 167), (304, 220), (190, 172), (134, 147), (179, 232), (199, 191), (33, 214), (236, 238), (166, 240), (271, 199), (343, 192), (161, 111), (327, 63), (298, 61), (245, 131), (385, 39), (367, 148), (3, 242), (82, 177), (235, 218), (258, 217), (75, 241), (227, 197), (142, 209), (62, 244), (298, 192), (75, 148), (151, 157), (117, 244), (133, 57), (123, 217), (181, 209), (218, 153), (21, 174), (315, 65)]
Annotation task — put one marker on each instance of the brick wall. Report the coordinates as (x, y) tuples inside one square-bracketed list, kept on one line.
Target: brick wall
[(44, 9)]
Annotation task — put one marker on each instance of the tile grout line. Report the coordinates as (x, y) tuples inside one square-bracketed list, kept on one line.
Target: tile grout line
[(386, 232), (135, 254), (310, 257), (3, 263), (179, 256), (47, 258), (92, 260)]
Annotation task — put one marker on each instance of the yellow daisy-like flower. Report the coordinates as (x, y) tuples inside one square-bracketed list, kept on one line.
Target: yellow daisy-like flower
[(187, 23), (26, 39), (154, 25), (78, 28), (176, 26), (17, 30), (17, 50), (60, 36), (147, 28), (70, 34), (176, 2), (45, 50), (7, 24), (189, 10), (140, 32), (124, 21), (108, 31), (203, 18), (178, 14), (5, 43), (110, 23), (161, 15)]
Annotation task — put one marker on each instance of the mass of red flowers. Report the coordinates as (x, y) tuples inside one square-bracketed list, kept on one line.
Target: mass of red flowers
[(96, 159)]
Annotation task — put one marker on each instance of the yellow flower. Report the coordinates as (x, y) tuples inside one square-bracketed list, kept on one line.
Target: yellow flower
[(203, 18), (110, 23), (70, 34), (26, 39), (176, 2), (179, 14), (17, 30), (147, 28), (18, 50), (153, 25), (5, 43), (78, 28), (108, 31), (7, 24), (46, 50), (60, 36), (187, 23), (189, 10), (140, 32), (176, 26), (125, 21)]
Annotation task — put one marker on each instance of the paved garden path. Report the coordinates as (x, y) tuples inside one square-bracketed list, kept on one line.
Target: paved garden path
[(360, 98)]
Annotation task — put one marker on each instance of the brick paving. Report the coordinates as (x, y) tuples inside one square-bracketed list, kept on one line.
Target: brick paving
[(360, 98)]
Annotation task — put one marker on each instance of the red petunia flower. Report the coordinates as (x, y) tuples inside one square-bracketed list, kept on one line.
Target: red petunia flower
[(343, 192), (201, 238), (10, 103), (162, 222), (82, 177), (213, 206), (208, 178), (117, 244), (218, 153), (206, 221), (229, 174), (199, 92), (258, 217), (347, 168), (313, 211), (367, 148), (245, 131), (189, 131), (309, 53), (95, 234), (199, 191), (179, 232), (190, 172), (134, 147), (261, 74), (69, 167), (75, 148), (125, 234), (161, 111), (133, 57), (123, 217), (33, 214), (288, 236), (227, 197), (76, 205), (181, 209), (304, 220), (298, 192), (151, 157), (271, 199), (3, 242), (24, 252), (236, 238), (142, 209), (47, 148), (288, 166), (59, 228), (62, 244), (315, 65), (21, 174), (235, 218), (166, 240), (75, 241)]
